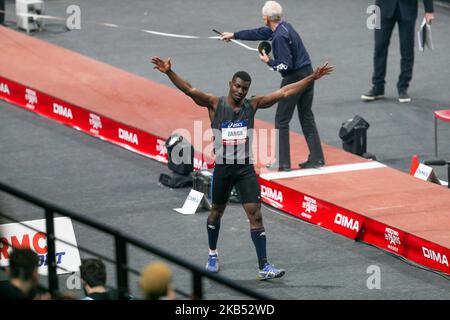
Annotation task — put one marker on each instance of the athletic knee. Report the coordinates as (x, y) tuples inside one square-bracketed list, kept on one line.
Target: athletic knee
[(216, 213), (255, 216)]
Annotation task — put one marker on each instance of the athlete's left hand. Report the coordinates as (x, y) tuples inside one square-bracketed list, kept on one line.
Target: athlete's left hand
[(322, 71)]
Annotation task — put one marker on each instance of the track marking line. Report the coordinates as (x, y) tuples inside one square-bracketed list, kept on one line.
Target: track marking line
[(322, 170)]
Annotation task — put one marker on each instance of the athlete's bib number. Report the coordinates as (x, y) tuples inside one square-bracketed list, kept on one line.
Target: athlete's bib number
[(234, 132)]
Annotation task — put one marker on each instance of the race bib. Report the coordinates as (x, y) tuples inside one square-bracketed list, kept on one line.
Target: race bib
[(234, 132)]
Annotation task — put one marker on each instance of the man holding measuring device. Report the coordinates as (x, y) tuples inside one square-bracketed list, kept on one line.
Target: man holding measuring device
[(293, 62)]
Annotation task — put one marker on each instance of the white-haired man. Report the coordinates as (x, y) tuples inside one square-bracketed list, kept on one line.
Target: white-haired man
[(292, 60)]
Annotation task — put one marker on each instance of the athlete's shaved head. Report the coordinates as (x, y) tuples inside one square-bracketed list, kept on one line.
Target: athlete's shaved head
[(242, 75)]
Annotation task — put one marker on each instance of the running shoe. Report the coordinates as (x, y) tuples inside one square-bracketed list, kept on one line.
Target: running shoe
[(213, 263), (270, 272)]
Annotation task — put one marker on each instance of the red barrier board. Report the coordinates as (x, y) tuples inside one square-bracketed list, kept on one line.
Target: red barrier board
[(355, 226)]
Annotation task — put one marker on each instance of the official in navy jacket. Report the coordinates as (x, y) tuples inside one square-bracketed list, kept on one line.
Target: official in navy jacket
[(291, 59), (404, 13)]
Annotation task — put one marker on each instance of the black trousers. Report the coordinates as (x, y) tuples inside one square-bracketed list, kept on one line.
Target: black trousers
[(406, 29), (285, 110)]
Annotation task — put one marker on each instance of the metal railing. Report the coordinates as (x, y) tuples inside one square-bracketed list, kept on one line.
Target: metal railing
[(121, 243)]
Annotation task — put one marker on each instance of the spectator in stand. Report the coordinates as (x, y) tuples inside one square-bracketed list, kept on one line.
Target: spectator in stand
[(23, 276), (156, 282), (93, 278)]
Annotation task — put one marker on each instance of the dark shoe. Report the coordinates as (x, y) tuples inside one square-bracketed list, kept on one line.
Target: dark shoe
[(311, 164), (373, 94), (403, 97), (275, 166)]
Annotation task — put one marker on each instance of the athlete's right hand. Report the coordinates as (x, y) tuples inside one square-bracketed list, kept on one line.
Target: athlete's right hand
[(162, 65)]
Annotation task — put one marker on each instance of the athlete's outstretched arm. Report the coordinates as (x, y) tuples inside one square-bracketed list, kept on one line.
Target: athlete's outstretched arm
[(200, 98), (266, 101)]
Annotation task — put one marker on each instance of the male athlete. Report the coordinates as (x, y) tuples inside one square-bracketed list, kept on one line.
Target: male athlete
[(232, 119)]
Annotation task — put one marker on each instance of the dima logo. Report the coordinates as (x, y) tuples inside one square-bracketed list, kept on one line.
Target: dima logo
[(4, 88), (62, 111), (200, 164), (435, 256), (272, 193), (273, 196), (128, 136), (346, 222)]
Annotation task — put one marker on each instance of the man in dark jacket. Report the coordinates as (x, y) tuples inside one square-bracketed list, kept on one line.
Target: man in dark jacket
[(404, 12), (23, 276), (292, 60)]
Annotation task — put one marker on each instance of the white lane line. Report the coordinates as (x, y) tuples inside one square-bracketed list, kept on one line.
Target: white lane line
[(244, 45), (384, 208), (322, 170), (112, 25), (170, 34), (236, 42)]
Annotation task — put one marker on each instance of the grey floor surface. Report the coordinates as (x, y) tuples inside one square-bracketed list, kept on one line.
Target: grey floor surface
[(120, 188)]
